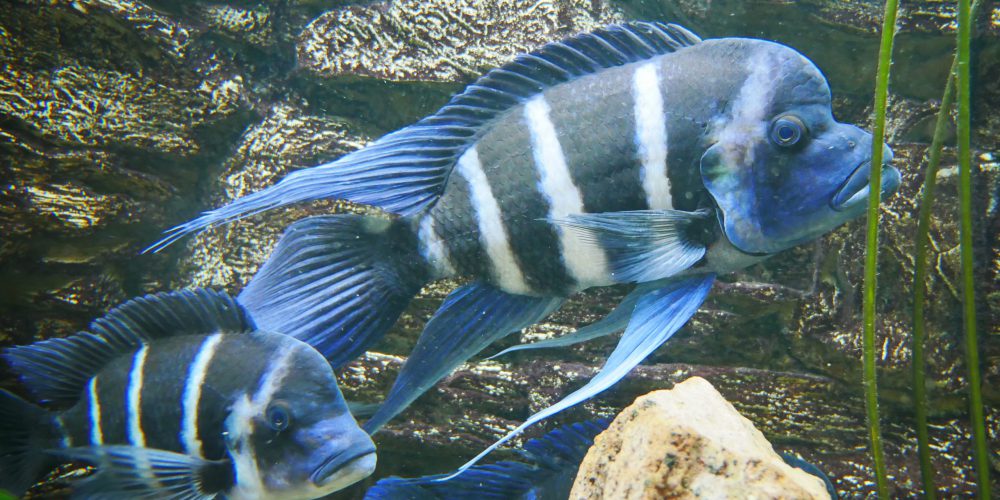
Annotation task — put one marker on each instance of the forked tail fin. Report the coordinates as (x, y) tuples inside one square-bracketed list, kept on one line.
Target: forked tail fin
[(337, 282), (26, 432)]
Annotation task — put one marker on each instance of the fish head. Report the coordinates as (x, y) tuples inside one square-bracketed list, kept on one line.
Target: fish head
[(302, 441), (781, 170)]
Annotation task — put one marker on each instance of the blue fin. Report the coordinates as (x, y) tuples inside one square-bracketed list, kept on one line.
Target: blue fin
[(658, 315), (471, 318), (615, 321), (405, 171), (642, 245), (26, 431), (56, 370), (546, 470), (361, 410), (336, 282), (135, 472), (800, 463)]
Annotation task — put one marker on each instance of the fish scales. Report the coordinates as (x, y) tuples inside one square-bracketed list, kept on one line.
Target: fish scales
[(596, 129), (455, 225), (166, 362), (162, 424)]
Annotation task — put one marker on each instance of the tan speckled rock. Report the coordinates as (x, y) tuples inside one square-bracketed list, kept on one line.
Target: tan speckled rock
[(286, 139), (687, 443), (440, 40)]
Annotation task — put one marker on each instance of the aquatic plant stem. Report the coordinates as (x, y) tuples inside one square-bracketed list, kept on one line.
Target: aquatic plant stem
[(920, 276), (871, 250), (920, 288), (962, 78)]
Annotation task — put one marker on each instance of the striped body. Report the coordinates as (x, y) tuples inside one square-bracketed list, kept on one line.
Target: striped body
[(178, 395), (173, 394), (637, 153), (626, 138)]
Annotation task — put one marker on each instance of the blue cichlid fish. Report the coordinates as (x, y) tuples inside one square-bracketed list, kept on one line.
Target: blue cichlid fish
[(545, 470), (637, 153), (178, 396)]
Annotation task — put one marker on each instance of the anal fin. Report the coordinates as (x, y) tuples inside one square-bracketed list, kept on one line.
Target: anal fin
[(657, 316)]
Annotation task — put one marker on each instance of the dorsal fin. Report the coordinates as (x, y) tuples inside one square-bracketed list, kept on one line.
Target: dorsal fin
[(555, 63), (405, 171), (56, 370)]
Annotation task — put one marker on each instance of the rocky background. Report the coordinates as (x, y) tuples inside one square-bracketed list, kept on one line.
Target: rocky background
[(121, 118)]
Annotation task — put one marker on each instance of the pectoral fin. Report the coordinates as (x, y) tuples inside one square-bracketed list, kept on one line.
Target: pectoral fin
[(657, 316), (136, 472), (642, 245)]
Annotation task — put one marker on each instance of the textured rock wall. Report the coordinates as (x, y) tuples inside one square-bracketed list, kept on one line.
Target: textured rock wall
[(121, 118)]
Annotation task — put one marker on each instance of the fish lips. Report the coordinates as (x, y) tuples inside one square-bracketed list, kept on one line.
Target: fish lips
[(362, 457), (854, 191)]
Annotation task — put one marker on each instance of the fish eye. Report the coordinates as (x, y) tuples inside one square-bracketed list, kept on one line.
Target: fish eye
[(787, 130), (279, 416)]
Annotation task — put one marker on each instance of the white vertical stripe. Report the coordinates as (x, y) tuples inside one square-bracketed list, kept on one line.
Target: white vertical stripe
[(651, 136), (433, 249), (134, 402), (584, 261), (239, 425), (492, 233), (96, 436), (749, 112), (192, 395)]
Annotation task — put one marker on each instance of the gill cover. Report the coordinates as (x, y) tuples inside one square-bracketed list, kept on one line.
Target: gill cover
[(779, 163)]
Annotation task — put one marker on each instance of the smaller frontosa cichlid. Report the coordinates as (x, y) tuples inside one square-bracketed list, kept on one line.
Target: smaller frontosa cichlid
[(179, 396)]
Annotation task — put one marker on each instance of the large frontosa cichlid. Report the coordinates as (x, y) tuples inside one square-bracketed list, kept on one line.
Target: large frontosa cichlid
[(636, 153), (178, 396)]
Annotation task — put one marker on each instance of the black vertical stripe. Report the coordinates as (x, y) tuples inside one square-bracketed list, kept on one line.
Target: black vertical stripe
[(112, 390), (76, 420), (595, 120), (236, 369), (165, 376), (508, 162), (456, 225)]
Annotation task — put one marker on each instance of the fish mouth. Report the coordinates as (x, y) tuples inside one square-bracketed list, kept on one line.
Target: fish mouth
[(355, 464), (855, 190)]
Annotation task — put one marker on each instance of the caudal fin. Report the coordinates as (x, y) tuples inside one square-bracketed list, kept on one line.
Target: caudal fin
[(337, 282), (26, 432)]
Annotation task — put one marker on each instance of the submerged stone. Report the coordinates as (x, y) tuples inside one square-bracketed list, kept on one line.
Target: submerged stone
[(688, 443)]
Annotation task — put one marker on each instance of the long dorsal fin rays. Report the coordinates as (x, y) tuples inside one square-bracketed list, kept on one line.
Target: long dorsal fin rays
[(405, 171), (334, 282), (136, 472), (471, 318), (56, 370), (548, 463), (657, 316), (615, 321), (642, 245)]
